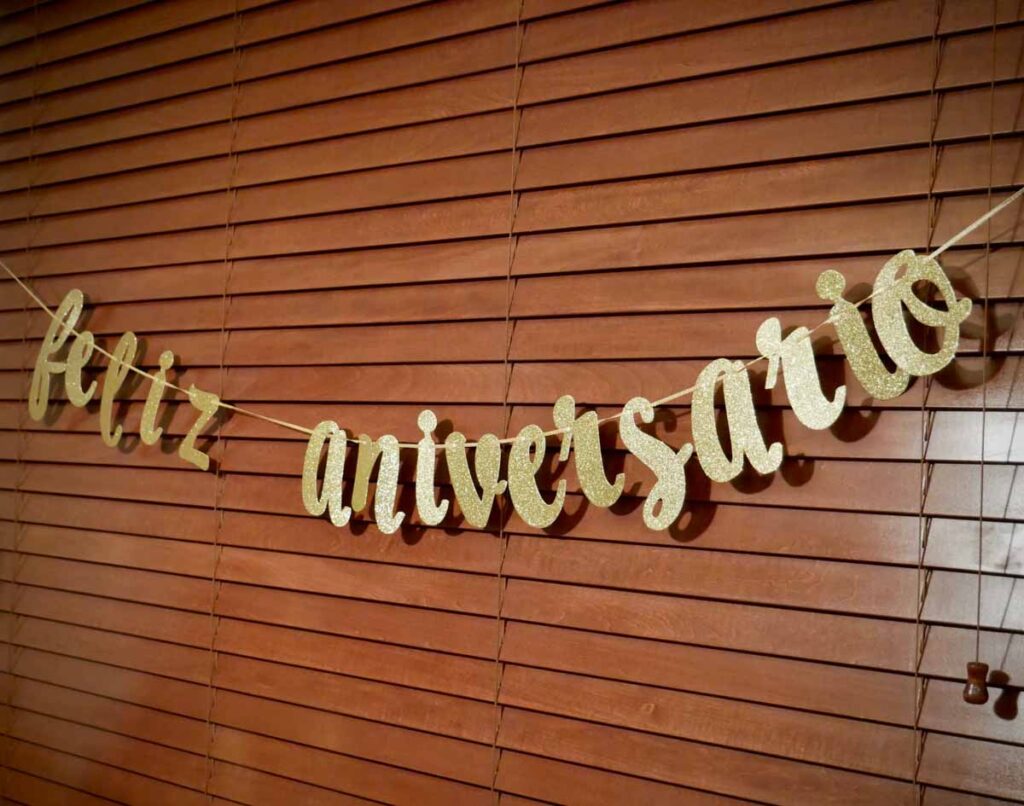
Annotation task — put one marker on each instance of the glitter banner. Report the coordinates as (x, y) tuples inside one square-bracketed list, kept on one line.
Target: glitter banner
[(895, 308)]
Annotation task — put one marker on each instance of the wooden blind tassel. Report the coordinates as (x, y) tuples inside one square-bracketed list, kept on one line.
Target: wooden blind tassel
[(976, 689)]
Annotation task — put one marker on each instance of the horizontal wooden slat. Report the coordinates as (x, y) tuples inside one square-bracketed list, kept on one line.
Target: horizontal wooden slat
[(735, 675), (449, 758), (825, 479), (427, 711), (851, 744), (176, 769), (821, 131), (183, 663), (210, 29), (784, 39), (996, 768), (889, 227), (413, 26), (356, 211), (200, 110), (245, 785), (36, 18), (675, 761), (815, 636), (164, 693), (857, 178), (22, 788), (145, 19), (106, 781), (324, 768), (773, 531), (169, 730), (961, 57), (557, 781), (954, 436)]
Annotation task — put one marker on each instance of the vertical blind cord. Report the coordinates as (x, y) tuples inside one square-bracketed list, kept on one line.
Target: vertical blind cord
[(229, 231), (21, 470), (984, 339), (923, 477), (506, 385)]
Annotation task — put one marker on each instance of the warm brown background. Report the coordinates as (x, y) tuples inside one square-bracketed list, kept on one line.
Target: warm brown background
[(310, 203)]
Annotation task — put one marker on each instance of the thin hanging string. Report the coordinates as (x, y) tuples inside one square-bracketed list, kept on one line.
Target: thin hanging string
[(19, 503), (225, 333), (506, 413), (984, 339), (922, 530), (555, 431)]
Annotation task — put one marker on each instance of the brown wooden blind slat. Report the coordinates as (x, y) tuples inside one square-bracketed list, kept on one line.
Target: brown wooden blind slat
[(683, 170)]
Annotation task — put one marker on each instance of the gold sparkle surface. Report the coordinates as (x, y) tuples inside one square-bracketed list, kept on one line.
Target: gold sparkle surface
[(525, 459), (78, 357), (60, 328), (476, 506), (741, 416), (328, 498), (665, 501), (149, 431), (894, 295), (430, 511), (865, 363), (117, 371), (795, 353), (206, 403), (583, 436)]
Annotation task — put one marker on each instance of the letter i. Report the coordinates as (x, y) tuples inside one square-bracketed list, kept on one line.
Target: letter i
[(149, 431)]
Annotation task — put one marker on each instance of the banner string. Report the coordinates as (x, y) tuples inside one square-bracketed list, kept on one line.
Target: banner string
[(553, 432), (924, 467)]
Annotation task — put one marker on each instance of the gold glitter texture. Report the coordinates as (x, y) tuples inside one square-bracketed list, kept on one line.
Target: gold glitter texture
[(803, 386), (431, 513), (207, 404), (384, 449), (78, 356), (117, 371), (860, 351), (744, 432), (524, 460), (329, 498), (149, 431), (892, 295), (63, 322), (582, 436), (667, 496), (476, 507)]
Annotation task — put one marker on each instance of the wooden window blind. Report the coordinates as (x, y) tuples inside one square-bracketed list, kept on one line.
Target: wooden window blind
[(356, 210)]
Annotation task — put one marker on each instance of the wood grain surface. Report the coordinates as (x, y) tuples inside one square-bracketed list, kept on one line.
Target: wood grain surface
[(356, 210)]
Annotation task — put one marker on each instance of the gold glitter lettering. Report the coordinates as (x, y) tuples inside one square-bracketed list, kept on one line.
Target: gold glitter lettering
[(113, 380), (861, 354), (67, 314), (583, 438), (667, 496), (386, 493), (476, 508), (431, 512), (149, 431), (744, 431), (329, 498), (803, 386), (893, 295), (525, 459), (207, 404), (78, 356)]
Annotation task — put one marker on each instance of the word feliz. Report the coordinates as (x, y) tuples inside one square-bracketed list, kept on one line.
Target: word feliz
[(121, 363), (892, 298)]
